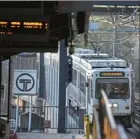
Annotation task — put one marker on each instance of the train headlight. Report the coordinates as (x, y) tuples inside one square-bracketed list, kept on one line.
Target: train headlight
[(110, 105), (115, 105)]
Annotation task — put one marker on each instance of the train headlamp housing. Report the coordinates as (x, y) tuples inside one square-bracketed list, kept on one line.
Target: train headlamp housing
[(115, 105), (126, 106)]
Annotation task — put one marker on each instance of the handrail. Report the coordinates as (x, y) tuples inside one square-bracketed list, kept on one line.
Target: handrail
[(96, 125), (107, 122), (104, 125), (108, 110)]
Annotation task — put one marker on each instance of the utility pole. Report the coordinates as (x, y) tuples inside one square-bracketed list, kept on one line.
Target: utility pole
[(62, 86), (10, 70), (42, 77), (1, 58), (114, 46)]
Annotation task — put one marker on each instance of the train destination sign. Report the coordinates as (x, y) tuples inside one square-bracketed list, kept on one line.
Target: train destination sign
[(112, 74), (24, 27)]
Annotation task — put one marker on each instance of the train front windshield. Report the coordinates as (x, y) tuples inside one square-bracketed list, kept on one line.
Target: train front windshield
[(114, 88)]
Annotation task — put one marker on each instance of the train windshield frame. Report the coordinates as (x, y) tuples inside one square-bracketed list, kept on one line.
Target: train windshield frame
[(115, 88)]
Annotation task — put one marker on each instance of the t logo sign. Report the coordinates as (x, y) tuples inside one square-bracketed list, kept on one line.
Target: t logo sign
[(25, 82)]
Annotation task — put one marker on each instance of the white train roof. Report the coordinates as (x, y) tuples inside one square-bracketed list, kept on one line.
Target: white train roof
[(91, 60), (83, 51)]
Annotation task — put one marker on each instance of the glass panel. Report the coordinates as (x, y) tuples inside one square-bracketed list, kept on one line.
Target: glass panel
[(114, 88), (82, 84), (74, 76)]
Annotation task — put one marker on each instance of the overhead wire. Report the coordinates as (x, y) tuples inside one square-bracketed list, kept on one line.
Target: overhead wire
[(122, 40), (117, 23)]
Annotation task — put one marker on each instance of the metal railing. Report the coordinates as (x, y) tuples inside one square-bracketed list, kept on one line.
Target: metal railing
[(104, 125), (45, 119), (136, 117)]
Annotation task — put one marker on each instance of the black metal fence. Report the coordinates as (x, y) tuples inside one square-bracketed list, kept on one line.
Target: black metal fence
[(45, 118)]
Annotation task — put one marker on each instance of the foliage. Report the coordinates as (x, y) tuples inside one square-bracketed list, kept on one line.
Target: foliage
[(126, 50), (123, 47)]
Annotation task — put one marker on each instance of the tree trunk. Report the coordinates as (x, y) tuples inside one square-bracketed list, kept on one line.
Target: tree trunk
[(86, 29)]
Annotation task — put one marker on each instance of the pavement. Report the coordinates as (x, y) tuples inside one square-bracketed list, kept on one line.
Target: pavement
[(49, 136)]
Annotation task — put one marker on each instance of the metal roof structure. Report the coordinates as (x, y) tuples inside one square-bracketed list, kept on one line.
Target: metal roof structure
[(39, 11)]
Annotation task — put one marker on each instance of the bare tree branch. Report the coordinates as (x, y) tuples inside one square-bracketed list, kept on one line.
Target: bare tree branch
[(86, 29)]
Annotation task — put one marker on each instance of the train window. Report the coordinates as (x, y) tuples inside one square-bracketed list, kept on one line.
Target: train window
[(2, 95), (82, 83), (114, 88), (57, 65), (74, 76)]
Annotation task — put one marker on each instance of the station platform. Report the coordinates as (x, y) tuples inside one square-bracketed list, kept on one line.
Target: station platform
[(50, 136)]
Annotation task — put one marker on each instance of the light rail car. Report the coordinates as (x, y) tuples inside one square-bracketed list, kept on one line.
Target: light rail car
[(93, 72)]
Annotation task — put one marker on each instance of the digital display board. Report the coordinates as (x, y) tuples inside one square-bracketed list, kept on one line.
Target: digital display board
[(112, 74), (23, 27)]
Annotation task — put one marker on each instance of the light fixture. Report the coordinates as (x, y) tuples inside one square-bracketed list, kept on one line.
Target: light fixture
[(115, 105), (126, 106)]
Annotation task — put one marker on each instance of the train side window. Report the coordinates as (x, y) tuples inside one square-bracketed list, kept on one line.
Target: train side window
[(70, 102), (82, 84), (74, 76), (78, 82), (56, 64), (2, 96)]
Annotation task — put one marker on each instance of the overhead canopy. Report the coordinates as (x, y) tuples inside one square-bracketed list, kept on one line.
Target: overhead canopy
[(41, 11), (119, 2), (7, 56)]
